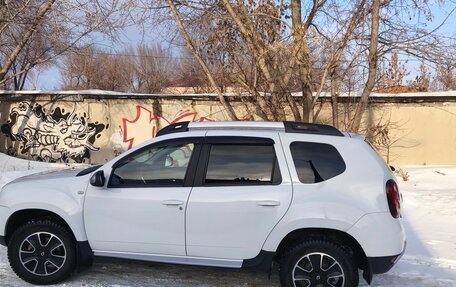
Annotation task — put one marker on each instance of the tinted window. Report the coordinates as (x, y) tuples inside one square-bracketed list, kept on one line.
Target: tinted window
[(157, 166), (242, 164), (316, 162)]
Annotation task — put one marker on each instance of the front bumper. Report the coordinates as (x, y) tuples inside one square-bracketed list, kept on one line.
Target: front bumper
[(4, 214)]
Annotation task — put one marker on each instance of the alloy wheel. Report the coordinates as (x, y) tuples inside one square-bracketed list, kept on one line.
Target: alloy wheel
[(42, 253), (318, 270)]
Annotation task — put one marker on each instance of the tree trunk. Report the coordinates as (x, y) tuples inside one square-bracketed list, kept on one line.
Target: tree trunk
[(334, 102), (263, 61), (226, 105), (302, 60), (307, 105), (25, 38), (334, 59), (293, 106), (373, 57)]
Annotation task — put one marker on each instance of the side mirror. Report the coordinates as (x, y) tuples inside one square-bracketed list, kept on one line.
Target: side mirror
[(98, 179), (392, 168)]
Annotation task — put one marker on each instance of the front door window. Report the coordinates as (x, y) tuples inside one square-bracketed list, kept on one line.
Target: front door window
[(157, 166)]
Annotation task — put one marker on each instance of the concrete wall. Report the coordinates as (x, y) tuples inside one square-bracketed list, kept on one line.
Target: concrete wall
[(94, 128), (419, 133)]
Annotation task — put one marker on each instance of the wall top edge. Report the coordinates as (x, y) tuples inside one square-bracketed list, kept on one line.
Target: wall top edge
[(99, 94)]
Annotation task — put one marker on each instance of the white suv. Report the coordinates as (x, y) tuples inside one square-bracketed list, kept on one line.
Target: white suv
[(319, 202)]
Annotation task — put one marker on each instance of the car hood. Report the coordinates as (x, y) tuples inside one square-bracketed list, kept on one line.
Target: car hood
[(48, 175), (60, 191)]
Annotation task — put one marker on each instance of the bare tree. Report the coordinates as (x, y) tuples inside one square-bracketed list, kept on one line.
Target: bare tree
[(392, 74), (10, 58), (154, 68), (54, 27), (373, 57), (286, 54), (191, 46), (189, 74), (267, 55), (91, 68), (76, 69), (384, 136), (445, 78), (422, 80), (333, 63), (262, 47), (141, 69)]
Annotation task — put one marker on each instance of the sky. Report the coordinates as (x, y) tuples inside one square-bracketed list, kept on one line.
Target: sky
[(131, 36), (448, 29), (49, 79)]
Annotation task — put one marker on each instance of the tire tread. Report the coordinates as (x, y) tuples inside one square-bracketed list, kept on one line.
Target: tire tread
[(52, 279), (297, 248)]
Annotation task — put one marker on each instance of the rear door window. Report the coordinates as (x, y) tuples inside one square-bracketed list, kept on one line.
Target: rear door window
[(316, 162), (242, 164)]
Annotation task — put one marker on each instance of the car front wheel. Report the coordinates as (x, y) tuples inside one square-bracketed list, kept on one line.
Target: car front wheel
[(42, 252), (318, 263)]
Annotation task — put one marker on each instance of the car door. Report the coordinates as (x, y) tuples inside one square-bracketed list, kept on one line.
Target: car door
[(242, 190), (142, 207)]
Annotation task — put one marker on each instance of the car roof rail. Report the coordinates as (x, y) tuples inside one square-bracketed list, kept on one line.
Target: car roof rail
[(236, 125), (310, 128), (289, 127), (173, 128)]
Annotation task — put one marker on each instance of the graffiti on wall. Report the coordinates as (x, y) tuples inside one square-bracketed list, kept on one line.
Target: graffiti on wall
[(146, 124), (52, 136)]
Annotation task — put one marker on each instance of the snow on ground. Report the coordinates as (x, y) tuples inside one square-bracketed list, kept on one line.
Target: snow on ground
[(429, 212)]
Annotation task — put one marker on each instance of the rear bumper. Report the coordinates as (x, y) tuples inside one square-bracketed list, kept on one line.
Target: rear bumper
[(383, 264), (379, 234)]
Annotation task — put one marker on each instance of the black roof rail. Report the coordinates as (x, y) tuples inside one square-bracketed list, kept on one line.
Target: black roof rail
[(290, 127), (173, 128), (308, 128)]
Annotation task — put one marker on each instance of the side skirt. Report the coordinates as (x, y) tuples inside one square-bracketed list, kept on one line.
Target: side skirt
[(174, 259)]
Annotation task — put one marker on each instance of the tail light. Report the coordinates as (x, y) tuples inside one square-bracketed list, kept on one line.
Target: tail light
[(394, 200)]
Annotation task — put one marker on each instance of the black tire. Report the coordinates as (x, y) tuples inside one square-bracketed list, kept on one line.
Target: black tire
[(42, 252), (327, 271)]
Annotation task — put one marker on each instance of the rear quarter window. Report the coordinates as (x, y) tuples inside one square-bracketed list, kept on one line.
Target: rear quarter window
[(316, 162)]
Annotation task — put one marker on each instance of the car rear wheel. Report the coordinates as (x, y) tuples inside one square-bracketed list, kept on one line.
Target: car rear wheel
[(318, 263), (42, 252)]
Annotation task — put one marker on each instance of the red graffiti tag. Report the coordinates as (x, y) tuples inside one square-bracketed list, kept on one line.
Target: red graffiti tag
[(146, 124)]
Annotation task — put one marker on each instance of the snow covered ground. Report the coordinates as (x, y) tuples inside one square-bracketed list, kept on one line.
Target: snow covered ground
[(430, 260)]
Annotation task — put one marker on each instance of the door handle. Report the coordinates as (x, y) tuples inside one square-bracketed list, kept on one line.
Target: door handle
[(172, 202), (268, 203)]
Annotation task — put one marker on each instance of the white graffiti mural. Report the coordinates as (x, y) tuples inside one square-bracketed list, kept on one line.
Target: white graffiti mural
[(53, 136)]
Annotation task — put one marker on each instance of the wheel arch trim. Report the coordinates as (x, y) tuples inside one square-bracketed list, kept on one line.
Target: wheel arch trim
[(20, 216), (335, 235)]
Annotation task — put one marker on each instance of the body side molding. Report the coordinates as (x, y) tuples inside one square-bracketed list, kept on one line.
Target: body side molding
[(185, 260)]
